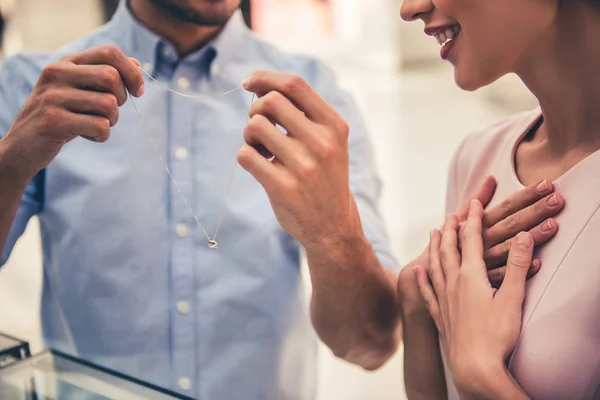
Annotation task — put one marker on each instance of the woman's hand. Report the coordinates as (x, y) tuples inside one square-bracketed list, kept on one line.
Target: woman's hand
[(478, 325), (530, 209)]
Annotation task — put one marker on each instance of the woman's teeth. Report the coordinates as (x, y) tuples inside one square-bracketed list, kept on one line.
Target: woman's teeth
[(444, 37)]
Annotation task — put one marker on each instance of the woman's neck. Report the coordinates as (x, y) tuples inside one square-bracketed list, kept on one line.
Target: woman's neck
[(563, 72)]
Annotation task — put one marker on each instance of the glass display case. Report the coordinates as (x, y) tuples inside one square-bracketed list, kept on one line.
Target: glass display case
[(52, 375), (12, 350)]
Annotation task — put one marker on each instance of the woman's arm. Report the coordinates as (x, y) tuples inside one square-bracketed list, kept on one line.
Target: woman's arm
[(423, 368), (478, 339), (494, 383)]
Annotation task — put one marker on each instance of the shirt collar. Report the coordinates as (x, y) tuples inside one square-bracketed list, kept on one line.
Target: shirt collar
[(147, 46)]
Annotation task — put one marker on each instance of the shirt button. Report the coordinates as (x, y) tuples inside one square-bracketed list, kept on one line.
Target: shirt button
[(183, 307), (183, 83), (181, 153), (184, 383), (182, 230), (214, 70)]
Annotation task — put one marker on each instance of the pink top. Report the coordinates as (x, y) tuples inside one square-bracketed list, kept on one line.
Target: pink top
[(558, 353)]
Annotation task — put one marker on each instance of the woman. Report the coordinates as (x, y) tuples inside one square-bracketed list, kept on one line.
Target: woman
[(551, 46)]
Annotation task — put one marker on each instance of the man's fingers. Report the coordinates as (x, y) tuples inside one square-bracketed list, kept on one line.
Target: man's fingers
[(496, 276), (484, 194), (524, 219), (429, 296), (295, 89), (260, 132), (135, 61), (542, 233), (91, 127), (512, 289), (92, 103), (111, 55), (516, 202), (263, 171), (280, 110)]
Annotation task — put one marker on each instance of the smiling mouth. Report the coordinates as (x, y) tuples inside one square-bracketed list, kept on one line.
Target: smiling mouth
[(446, 36)]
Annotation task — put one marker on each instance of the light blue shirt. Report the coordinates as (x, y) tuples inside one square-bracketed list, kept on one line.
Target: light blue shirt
[(129, 281)]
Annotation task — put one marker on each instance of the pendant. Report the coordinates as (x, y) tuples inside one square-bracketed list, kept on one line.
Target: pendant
[(212, 244)]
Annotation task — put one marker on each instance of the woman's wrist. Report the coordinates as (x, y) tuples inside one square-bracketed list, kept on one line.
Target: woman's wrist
[(412, 303), (494, 382)]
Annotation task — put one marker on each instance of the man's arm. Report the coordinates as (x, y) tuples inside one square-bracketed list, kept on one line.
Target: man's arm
[(316, 198), (13, 184), (56, 111), (358, 318), (354, 306)]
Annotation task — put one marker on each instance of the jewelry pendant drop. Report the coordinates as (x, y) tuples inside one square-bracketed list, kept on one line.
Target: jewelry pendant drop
[(212, 244)]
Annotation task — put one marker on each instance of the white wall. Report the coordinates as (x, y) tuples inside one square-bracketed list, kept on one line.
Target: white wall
[(49, 24)]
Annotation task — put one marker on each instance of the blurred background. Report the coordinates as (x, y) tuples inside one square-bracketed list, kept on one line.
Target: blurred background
[(416, 116)]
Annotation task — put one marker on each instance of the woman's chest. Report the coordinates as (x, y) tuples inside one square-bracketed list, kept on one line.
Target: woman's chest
[(558, 354)]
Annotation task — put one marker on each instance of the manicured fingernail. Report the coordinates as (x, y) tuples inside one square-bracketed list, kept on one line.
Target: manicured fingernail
[(524, 240), (552, 201), (415, 270), (546, 226), (543, 187), (246, 81), (537, 263), (140, 91)]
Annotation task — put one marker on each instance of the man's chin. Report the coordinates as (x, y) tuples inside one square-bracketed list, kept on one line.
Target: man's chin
[(208, 13)]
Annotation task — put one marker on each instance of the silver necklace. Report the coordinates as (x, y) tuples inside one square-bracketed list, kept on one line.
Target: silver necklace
[(212, 241)]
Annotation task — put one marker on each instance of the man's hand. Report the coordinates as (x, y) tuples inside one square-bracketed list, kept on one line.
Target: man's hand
[(308, 180), (79, 95), (354, 304)]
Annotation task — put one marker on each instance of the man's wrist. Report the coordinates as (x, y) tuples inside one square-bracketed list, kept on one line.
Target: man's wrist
[(350, 247), (13, 169)]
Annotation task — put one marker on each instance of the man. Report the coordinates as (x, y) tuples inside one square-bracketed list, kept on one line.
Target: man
[(129, 281)]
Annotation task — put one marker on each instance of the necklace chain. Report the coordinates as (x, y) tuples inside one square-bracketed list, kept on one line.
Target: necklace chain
[(212, 242)]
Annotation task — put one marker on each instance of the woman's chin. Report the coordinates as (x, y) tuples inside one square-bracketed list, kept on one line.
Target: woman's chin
[(466, 81), (471, 79)]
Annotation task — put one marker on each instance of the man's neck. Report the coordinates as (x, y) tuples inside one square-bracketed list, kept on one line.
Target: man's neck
[(185, 36)]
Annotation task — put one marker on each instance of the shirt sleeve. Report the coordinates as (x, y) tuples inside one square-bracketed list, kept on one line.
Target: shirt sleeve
[(14, 89), (365, 182)]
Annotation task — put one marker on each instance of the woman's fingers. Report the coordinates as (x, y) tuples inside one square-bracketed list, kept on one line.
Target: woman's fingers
[(472, 250), (517, 202), (512, 289), (496, 276), (429, 296), (484, 194), (542, 233), (436, 273), (449, 253)]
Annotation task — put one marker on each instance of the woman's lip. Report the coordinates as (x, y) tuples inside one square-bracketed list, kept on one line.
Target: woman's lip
[(445, 51), (430, 31)]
